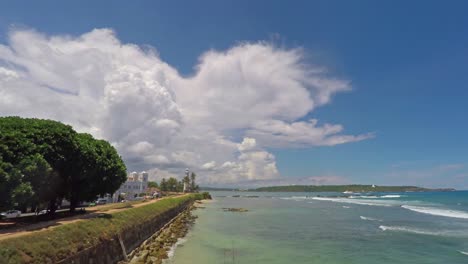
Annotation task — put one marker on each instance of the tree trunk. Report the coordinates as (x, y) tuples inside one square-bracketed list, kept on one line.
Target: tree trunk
[(73, 203), (52, 206)]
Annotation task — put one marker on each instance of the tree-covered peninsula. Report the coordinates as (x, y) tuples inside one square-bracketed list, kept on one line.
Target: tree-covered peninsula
[(344, 188)]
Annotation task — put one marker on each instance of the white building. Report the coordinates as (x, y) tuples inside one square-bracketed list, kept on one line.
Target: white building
[(136, 183)]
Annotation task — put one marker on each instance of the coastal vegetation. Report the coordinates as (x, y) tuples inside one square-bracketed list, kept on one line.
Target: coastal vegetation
[(344, 188), (43, 162), (153, 184), (204, 188), (173, 185), (54, 244)]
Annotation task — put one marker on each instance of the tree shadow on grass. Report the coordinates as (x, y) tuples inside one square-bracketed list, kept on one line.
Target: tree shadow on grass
[(106, 216), (35, 223)]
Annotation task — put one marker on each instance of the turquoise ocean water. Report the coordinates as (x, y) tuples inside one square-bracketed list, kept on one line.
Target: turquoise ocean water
[(303, 228)]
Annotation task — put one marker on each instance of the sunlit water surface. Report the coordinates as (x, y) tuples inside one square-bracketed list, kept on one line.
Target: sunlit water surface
[(302, 228)]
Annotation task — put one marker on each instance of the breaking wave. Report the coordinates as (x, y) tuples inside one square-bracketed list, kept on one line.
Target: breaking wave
[(358, 201), (421, 231), (437, 211), (296, 198), (369, 218), (391, 196), (374, 196), (171, 251), (463, 252)]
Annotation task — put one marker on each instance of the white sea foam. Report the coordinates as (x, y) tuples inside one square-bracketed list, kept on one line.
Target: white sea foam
[(364, 197), (357, 201), (347, 207), (463, 252), (374, 196), (171, 251), (299, 197), (391, 196), (369, 218), (295, 198), (421, 231), (437, 211)]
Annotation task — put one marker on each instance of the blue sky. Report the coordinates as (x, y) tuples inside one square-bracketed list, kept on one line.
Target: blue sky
[(406, 60)]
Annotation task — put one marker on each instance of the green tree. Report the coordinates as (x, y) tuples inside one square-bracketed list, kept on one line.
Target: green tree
[(44, 182), (164, 186), (153, 184), (172, 184), (98, 170), (22, 195), (20, 140), (180, 186), (193, 185), (10, 179), (44, 161)]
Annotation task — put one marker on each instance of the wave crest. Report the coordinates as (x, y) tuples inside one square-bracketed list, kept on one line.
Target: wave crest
[(369, 218), (422, 231), (356, 201), (391, 196), (437, 211)]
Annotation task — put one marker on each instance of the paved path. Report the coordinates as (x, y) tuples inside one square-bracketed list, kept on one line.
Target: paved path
[(92, 212)]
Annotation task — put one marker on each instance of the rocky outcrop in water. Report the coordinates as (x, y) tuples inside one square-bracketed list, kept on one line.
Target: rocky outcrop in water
[(240, 210)]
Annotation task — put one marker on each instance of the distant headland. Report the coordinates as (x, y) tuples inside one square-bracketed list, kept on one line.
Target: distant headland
[(335, 188)]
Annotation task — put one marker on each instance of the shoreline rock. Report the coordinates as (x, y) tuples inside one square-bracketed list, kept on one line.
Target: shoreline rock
[(240, 210), (155, 249)]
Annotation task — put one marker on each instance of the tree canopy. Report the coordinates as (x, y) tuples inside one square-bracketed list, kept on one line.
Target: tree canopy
[(153, 184), (173, 185), (44, 161)]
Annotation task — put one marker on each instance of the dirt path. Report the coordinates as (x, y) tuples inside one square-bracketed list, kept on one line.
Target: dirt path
[(92, 212)]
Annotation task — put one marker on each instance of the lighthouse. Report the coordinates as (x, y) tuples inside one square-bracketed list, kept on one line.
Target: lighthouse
[(185, 183)]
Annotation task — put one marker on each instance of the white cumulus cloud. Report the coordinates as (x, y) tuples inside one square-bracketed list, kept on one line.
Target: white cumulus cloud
[(209, 165), (163, 122), (247, 144)]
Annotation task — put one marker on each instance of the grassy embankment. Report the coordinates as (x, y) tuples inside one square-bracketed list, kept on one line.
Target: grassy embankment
[(52, 245)]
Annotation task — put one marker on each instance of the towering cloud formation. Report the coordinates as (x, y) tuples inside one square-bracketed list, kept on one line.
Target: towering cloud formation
[(163, 122)]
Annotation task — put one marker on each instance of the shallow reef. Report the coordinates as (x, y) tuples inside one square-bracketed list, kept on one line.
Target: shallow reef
[(240, 210)]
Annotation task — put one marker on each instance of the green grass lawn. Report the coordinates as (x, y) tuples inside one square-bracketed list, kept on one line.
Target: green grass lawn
[(52, 245)]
